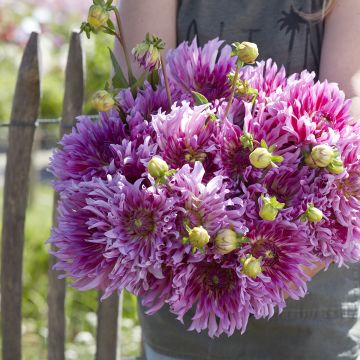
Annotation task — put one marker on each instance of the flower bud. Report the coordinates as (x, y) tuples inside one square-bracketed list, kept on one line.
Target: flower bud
[(102, 101), (260, 158), (148, 52), (226, 241), (157, 167), (336, 166), (321, 155), (313, 214), (270, 208), (247, 52), (97, 16), (247, 141), (198, 237), (251, 266)]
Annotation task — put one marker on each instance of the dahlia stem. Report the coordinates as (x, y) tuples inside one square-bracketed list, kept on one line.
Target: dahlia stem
[(121, 39), (167, 86), (233, 88)]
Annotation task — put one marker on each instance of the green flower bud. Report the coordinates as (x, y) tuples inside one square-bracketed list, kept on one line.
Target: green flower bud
[(251, 266), (260, 158), (198, 237), (247, 141), (157, 167), (270, 208), (321, 156), (336, 166), (247, 52), (102, 101), (312, 213), (148, 52), (98, 16), (228, 240)]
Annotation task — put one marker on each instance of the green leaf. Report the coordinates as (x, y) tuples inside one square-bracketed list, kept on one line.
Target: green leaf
[(200, 99), (107, 86), (263, 143), (118, 80), (277, 159), (110, 25), (107, 30)]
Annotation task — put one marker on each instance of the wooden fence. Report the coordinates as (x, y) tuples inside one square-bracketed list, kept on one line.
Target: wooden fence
[(21, 134)]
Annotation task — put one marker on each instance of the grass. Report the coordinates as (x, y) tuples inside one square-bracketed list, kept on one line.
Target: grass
[(80, 306)]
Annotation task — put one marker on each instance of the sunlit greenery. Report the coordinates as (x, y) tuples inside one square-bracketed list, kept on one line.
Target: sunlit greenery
[(80, 306)]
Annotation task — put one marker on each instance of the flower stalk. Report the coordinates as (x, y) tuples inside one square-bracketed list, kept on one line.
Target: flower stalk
[(166, 80), (121, 38)]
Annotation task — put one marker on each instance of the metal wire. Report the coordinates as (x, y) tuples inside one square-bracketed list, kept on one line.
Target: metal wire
[(40, 122)]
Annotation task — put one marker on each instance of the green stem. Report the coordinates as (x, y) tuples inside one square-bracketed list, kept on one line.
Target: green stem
[(121, 39), (167, 86), (233, 88)]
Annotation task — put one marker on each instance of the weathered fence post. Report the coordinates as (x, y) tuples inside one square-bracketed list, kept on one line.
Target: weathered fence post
[(21, 133), (107, 328), (72, 107)]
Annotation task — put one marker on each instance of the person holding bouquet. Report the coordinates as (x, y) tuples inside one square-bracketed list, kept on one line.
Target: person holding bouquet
[(314, 35)]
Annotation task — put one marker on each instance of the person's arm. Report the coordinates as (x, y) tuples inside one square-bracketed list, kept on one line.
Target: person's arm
[(139, 17), (340, 54)]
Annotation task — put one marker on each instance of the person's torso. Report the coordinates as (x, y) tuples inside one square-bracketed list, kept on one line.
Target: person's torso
[(274, 25)]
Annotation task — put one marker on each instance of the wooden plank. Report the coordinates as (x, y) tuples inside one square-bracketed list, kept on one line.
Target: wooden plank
[(107, 328), (24, 113), (72, 107)]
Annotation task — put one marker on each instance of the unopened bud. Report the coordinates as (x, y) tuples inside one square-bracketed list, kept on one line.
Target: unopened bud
[(312, 213), (157, 167), (227, 240), (198, 237), (260, 158), (336, 166), (102, 101), (251, 266), (320, 156), (247, 52), (270, 208), (148, 52), (97, 16)]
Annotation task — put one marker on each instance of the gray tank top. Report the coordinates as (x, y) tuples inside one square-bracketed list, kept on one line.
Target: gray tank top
[(324, 325)]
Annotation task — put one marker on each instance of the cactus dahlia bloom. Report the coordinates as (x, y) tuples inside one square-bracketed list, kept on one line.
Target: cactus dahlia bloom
[(222, 297), (233, 157), (86, 152), (187, 135), (206, 205), (79, 239), (143, 232), (265, 77), (197, 69), (337, 236), (319, 112), (284, 249)]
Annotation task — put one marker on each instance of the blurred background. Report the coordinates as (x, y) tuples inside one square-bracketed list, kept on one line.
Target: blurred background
[(54, 20)]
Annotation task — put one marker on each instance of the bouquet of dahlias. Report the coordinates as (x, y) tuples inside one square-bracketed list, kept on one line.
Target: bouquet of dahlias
[(210, 182)]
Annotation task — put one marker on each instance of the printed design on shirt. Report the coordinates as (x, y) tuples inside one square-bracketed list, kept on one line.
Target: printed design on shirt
[(193, 32), (291, 22), (250, 33)]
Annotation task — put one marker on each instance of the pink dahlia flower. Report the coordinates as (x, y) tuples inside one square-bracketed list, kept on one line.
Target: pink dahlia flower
[(187, 135), (204, 70), (86, 152)]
